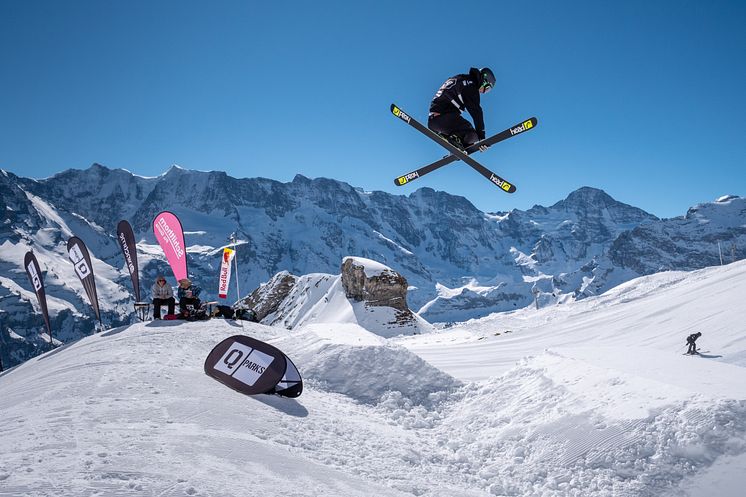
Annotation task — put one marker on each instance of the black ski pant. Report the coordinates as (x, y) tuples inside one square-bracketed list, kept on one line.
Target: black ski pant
[(451, 123), (157, 303), (692, 348), (188, 301)]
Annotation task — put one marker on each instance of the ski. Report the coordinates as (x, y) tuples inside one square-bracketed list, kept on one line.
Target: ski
[(457, 154), (496, 138), (455, 151)]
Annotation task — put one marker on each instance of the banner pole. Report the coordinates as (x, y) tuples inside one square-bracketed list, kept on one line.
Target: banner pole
[(235, 262)]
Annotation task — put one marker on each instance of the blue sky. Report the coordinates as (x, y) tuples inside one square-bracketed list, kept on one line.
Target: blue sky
[(643, 99)]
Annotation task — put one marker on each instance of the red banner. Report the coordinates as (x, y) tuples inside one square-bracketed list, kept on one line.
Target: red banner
[(225, 272)]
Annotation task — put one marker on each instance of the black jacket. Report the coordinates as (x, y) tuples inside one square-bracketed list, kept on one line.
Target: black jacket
[(459, 93)]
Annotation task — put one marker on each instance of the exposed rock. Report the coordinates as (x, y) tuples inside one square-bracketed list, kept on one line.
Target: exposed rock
[(379, 287), (367, 294), (267, 298), (385, 288)]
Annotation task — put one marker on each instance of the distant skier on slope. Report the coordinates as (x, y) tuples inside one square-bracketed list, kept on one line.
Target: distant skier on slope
[(690, 341), (459, 93)]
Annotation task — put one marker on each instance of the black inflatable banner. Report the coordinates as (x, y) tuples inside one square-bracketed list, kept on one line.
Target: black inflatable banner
[(291, 384), (252, 367), (81, 259), (126, 239), (34, 275)]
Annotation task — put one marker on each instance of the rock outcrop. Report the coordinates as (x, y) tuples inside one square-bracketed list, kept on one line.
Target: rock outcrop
[(376, 285), (266, 299)]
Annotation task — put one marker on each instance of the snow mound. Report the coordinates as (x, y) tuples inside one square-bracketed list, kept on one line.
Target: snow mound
[(359, 364)]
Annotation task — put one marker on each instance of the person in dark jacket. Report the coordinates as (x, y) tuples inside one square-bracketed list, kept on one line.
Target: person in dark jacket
[(162, 294), (690, 341), (188, 297), (459, 93)]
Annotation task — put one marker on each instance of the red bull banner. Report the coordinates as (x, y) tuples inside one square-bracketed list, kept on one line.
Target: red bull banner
[(225, 272), (170, 236)]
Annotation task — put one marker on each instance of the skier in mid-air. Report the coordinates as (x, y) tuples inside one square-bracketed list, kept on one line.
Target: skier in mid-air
[(690, 341), (459, 93)]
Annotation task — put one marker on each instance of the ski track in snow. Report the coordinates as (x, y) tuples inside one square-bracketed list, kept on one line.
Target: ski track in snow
[(563, 405)]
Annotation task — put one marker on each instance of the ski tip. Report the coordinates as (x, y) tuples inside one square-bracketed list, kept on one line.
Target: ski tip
[(396, 111), (508, 188), (403, 180), (502, 184), (528, 124)]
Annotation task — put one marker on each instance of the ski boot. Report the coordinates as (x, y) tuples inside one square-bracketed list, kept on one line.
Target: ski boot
[(454, 140)]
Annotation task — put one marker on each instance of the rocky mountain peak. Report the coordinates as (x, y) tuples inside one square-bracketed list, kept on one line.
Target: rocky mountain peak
[(588, 195), (588, 201)]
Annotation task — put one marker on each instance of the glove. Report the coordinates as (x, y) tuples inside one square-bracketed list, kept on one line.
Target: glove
[(480, 135)]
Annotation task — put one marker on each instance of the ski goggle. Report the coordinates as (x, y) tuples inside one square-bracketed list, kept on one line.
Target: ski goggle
[(487, 86)]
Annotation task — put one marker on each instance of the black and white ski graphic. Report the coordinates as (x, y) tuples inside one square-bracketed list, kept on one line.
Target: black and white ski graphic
[(491, 140)]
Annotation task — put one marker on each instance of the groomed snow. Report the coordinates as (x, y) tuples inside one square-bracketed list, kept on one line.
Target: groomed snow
[(591, 398)]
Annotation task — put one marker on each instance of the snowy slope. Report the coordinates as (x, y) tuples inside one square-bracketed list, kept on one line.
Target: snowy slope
[(130, 412), (589, 398), (655, 313)]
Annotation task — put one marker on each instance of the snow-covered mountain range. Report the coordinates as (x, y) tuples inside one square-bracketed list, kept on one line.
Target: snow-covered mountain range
[(460, 262)]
